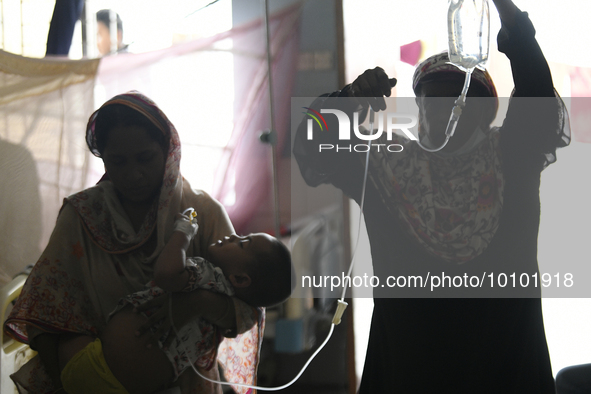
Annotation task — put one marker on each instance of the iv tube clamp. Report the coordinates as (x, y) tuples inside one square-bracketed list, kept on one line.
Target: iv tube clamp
[(341, 306)]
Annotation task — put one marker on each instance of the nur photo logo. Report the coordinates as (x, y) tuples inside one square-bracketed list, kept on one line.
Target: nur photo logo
[(344, 129)]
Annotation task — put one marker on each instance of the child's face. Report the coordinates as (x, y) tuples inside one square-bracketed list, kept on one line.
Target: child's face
[(232, 253)]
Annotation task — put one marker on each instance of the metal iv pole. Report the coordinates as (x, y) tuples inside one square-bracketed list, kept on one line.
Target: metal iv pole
[(270, 137)]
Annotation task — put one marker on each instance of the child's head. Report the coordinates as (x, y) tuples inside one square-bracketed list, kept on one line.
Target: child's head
[(258, 266)]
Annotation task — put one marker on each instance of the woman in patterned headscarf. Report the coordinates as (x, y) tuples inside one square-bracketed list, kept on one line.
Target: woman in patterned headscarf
[(104, 246), (468, 210)]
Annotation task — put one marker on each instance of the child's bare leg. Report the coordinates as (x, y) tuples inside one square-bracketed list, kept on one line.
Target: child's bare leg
[(138, 368)]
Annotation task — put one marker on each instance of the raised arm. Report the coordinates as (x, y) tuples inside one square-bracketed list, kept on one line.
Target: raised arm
[(339, 165), (507, 11), (536, 122), (169, 270), (516, 39)]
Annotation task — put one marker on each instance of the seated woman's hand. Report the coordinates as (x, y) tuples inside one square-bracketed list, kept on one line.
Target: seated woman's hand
[(159, 310), (215, 308), (136, 361)]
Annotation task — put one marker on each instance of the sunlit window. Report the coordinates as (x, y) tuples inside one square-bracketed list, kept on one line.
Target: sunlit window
[(195, 90)]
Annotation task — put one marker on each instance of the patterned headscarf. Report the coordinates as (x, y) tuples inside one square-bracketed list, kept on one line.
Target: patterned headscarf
[(439, 64), (438, 67), (170, 193), (450, 205)]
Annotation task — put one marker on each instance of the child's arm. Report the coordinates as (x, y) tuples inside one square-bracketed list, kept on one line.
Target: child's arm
[(169, 270)]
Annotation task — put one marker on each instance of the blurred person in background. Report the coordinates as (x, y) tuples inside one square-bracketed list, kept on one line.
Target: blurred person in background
[(103, 26)]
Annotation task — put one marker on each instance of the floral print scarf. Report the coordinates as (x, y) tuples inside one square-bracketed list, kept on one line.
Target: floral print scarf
[(450, 205)]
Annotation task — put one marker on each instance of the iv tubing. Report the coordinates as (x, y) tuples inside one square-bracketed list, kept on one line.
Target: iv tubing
[(456, 112), (362, 202), (342, 305)]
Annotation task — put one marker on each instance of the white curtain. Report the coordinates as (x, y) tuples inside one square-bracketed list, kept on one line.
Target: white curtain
[(44, 105)]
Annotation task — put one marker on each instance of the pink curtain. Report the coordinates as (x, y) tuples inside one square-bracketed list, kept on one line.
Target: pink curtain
[(245, 175), (580, 78)]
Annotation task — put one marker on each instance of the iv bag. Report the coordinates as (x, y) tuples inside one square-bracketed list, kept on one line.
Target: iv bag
[(468, 26)]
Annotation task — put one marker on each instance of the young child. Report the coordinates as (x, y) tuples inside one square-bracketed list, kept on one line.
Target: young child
[(256, 268)]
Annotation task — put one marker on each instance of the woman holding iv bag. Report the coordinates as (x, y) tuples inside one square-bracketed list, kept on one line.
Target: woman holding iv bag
[(471, 208)]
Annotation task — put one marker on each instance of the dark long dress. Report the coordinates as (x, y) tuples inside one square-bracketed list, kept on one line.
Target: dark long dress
[(462, 345)]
